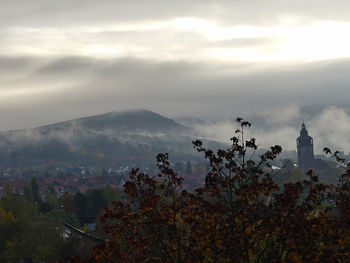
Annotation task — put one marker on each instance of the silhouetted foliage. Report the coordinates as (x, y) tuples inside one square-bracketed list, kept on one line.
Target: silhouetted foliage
[(239, 215)]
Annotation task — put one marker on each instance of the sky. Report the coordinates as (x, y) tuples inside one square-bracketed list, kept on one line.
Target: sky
[(210, 59)]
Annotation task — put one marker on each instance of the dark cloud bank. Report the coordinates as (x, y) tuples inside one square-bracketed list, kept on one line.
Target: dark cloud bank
[(76, 86)]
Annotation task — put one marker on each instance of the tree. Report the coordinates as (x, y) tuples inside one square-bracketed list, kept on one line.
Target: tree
[(35, 190), (80, 203), (67, 202), (28, 193), (51, 196), (110, 194), (239, 215), (8, 226), (8, 190), (96, 201)]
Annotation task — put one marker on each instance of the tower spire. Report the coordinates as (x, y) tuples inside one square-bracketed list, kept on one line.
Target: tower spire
[(305, 149)]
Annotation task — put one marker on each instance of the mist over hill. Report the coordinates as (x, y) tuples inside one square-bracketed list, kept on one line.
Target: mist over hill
[(114, 138)]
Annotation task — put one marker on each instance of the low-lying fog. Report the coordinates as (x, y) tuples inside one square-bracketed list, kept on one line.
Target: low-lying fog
[(328, 125)]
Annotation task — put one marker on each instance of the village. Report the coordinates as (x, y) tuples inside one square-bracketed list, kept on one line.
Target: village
[(80, 179)]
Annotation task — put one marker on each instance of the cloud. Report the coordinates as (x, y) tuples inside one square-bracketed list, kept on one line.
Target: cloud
[(281, 115), (332, 129), (246, 42), (198, 30), (46, 90), (65, 65), (65, 12)]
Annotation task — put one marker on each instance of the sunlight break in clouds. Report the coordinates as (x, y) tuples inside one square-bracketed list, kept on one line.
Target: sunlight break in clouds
[(289, 41), (65, 59)]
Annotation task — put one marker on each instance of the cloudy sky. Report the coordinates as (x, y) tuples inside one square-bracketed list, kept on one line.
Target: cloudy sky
[(65, 59)]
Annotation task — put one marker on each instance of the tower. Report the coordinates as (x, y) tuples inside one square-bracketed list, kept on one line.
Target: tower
[(305, 148)]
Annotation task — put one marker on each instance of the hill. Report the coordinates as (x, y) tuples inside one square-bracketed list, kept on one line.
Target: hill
[(110, 139), (128, 121)]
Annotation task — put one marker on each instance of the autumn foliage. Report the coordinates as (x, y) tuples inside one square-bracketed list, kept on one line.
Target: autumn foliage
[(239, 215)]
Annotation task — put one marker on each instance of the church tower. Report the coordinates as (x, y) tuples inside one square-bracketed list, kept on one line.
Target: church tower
[(305, 145)]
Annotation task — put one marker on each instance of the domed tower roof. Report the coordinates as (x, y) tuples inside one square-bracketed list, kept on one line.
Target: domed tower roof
[(303, 131), (304, 139)]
